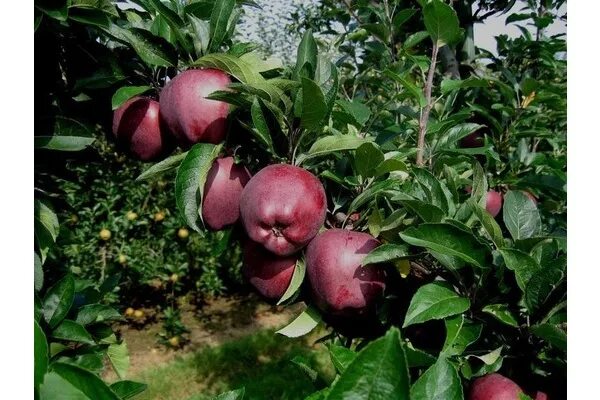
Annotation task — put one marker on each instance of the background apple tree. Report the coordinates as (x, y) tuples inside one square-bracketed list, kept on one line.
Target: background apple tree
[(409, 127)]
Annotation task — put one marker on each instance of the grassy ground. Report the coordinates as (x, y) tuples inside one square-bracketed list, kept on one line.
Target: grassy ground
[(260, 362)]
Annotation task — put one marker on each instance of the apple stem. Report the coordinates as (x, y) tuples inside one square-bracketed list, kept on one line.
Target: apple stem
[(427, 109)]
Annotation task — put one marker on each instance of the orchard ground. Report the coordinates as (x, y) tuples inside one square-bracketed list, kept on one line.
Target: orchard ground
[(232, 343)]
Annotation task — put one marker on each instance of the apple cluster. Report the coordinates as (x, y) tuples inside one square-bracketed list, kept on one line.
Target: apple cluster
[(148, 129), (282, 208)]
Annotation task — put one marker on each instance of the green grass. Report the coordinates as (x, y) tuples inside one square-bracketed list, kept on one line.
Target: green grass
[(260, 362)]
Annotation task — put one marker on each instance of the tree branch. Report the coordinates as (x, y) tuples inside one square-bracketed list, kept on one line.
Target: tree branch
[(425, 113)]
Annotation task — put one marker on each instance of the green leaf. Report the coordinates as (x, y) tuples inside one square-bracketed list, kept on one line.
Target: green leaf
[(40, 353), (434, 301), (79, 379), (256, 61), (160, 27), (190, 180), (125, 93), (295, 282), (128, 389), (261, 130), (303, 324), (38, 274), (452, 136), (542, 285), (89, 16), (174, 22), (118, 356), (375, 221), (521, 216), (92, 313), (368, 156), (414, 39), (46, 226), (479, 189), (314, 107), (372, 192), (417, 358), (410, 87), (332, 144), (219, 20), (55, 387), (326, 77), (460, 333), (439, 382), (385, 253), (502, 313), (433, 186), (73, 332), (523, 265), (551, 334), (447, 239), (153, 50), (306, 55), (441, 22), (379, 371), (58, 10), (359, 112), (379, 30), (427, 212), (164, 166), (489, 224), (230, 64), (402, 17), (449, 85), (201, 34), (485, 364), (341, 357), (68, 135), (231, 395), (58, 300), (390, 165)]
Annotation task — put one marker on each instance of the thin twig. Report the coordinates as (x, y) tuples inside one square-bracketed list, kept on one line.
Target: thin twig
[(425, 114)]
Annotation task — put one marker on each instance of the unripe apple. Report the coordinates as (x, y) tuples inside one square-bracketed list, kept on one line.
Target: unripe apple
[(122, 259), (268, 273), (136, 127), (282, 207), (159, 216), (493, 202), (183, 233), (105, 234), (138, 314), (174, 341), (129, 311), (131, 215), (340, 285), (222, 191), (188, 114), (494, 387)]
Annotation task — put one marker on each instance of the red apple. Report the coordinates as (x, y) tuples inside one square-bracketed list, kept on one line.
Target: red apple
[(283, 207), (340, 285), (494, 387), (541, 396), (222, 191), (493, 202), (137, 129), (472, 140), (188, 114), (268, 273)]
